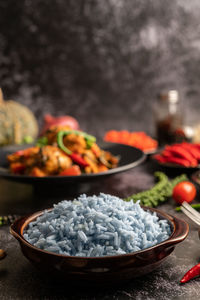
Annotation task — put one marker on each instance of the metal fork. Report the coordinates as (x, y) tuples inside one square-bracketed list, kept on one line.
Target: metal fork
[(192, 214)]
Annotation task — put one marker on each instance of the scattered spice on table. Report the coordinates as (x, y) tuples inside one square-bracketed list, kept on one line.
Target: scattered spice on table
[(192, 273)]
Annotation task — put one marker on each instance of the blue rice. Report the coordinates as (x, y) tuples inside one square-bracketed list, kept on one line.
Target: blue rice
[(94, 226)]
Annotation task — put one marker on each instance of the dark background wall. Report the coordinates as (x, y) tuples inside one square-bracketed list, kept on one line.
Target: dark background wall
[(102, 62)]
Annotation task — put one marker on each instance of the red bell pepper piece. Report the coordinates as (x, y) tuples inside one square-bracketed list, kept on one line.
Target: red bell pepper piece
[(72, 171)]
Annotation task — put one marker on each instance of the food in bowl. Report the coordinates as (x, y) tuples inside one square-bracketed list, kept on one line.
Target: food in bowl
[(181, 154), (104, 270), (96, 226), (138, 139), (62, 151)]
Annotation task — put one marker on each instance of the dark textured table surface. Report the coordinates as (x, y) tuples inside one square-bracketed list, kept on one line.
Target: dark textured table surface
[(20, 280)]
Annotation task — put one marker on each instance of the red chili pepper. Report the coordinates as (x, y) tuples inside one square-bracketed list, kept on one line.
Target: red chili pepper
[(159, 158), (177, 160), (78, 159), (197, 146), (166, 153), (74, 156), (177, 150), (193, 272), (197, 149), (191, 148)]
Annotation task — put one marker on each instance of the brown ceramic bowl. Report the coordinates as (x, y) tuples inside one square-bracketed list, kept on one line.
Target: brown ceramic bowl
[(104, 270)]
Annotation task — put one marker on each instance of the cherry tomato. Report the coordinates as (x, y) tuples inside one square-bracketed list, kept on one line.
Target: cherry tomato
[(184, 191)]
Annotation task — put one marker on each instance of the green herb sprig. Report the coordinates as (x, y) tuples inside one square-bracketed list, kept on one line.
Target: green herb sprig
[(160, 192)]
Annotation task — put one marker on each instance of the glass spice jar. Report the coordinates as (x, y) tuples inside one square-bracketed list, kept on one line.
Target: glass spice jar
[(169, 118)]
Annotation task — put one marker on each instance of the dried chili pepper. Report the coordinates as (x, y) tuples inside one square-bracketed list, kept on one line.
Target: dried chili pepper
[(192, 273)]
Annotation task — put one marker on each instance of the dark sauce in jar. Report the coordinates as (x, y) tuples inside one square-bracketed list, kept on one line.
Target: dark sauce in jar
[(169, 118)]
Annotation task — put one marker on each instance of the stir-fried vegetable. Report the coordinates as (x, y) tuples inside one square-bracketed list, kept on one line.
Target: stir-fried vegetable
[(88, 138), (74, 156), (64, 152)]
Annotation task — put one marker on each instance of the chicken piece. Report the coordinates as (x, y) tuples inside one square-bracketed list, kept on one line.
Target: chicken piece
[(102, 168), (90, 155), (88, 170), (22, 154), (96, 150), (52, 160), (75, 143), (52, 132), (48, 159), (92, 165), (37, 172)]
